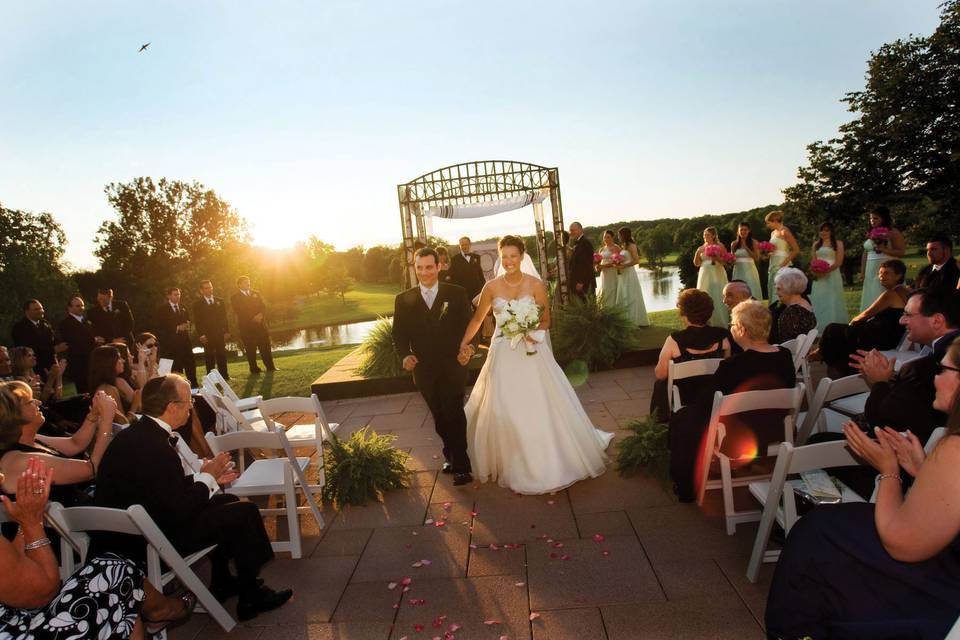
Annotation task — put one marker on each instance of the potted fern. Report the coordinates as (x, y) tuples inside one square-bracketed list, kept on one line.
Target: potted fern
[(645, 450), (362, 468)]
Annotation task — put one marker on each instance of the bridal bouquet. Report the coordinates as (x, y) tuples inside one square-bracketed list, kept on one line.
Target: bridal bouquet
[(819, 267), (518, 320)]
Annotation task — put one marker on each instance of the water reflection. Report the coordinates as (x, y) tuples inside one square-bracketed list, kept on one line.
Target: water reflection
[(660, 288)]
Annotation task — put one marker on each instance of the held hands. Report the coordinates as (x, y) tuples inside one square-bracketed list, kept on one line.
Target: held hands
[(878, 453), (466, 352), (33, 489), (409, 363), (873, 365), (221, 468)]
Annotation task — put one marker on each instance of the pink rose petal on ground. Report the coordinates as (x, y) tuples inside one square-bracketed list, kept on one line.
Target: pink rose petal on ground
[(599, 538), (418, 627), (405, 589), (391, 585), (439, 523), (534, 616), (426, 563), (473, 513), (494, 547), (415, 533), (406, 581), (435, 457), (447, 505), (491, 622), (428, 521), (605, 552), (550, 502), (564, 557), (558, 545), (553, 556), (473, 546), (396, 606), (519, 584), (454, 627), (417, 565), (504, 637)]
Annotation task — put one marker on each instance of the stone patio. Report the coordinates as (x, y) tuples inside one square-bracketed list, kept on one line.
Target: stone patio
[(609, 558)]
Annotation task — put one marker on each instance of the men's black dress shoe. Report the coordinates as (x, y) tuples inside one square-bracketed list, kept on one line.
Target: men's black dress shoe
[(446, 468), (266, 600), (223, 591), (272, 369), (462, 478)]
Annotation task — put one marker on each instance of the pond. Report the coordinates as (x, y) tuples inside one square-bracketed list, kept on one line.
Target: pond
[(660, 291)]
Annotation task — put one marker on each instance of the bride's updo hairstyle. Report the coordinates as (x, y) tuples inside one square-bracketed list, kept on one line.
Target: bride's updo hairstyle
[(512, 241)]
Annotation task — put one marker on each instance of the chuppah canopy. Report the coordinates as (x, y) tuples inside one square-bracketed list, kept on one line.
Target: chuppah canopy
[(479, 189)]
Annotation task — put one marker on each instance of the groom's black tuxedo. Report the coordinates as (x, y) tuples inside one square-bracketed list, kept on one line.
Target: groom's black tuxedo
[(433, 335)]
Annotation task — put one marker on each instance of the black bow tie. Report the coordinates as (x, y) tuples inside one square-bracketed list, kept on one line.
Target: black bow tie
[(173, 440)]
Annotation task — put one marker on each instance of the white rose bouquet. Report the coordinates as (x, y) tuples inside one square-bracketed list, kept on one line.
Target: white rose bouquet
[(518, 321)]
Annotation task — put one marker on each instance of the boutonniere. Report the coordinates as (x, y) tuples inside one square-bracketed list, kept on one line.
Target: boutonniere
[(443, 309)]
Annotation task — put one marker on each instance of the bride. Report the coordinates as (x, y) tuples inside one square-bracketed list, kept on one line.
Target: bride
[(526, 428)]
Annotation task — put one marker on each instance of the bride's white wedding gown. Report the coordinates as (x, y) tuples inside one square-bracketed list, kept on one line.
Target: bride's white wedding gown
[(526, 428)]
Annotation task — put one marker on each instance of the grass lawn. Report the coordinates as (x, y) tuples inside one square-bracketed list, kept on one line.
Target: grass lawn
[(364, 302), (298, 369)]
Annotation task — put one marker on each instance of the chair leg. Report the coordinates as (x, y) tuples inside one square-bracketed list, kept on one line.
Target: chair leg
[(726, 478), (759, 551), (293, 520)]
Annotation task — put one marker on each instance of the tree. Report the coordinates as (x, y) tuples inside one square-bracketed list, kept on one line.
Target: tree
[(376, 263), (31, 255), (655, 245), (334, 280)]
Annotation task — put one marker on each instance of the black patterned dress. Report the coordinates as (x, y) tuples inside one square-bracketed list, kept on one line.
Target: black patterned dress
[(101, 600)]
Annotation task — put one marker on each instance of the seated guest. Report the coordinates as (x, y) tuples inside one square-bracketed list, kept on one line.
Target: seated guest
[(145, 359), (760, 366), (877, 327), (941, 272), (34, 604), (696, 341), (24, 369), (904, 400), (884, 570), (734, 293), (6, 365), (106, 369), (141, 467), (795, 316), (21, 418)]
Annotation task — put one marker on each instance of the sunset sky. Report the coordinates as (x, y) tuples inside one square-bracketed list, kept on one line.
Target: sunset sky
[(305, 116)]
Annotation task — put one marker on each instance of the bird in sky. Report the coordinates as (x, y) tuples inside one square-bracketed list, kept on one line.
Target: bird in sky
[(143, 47)]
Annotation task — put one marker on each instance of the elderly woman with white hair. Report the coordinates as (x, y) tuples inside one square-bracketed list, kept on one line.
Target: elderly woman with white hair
[(795, 316)]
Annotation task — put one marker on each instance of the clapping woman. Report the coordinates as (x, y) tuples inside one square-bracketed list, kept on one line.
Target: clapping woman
[(712, 277)]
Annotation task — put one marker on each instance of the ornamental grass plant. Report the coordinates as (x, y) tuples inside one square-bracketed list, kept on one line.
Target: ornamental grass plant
[(380, 357), (362, 468), (585, 330)]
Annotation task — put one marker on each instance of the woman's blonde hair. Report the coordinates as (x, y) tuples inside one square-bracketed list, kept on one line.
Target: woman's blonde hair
[(754, 318), (774, 216), (11, 418), (713, 231)]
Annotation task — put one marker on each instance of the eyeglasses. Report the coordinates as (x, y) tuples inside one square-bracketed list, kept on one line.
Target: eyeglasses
[(190, 401), (942, 367)]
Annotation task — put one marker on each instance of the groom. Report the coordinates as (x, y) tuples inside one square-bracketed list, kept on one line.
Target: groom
[(428, 323)]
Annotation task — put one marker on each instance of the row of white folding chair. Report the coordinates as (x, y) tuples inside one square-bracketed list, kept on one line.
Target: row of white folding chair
[(688, 369), (216, 379), (271, 476), (73, 524), (788, 400), (819, 415), (800, 348), (229, 416)]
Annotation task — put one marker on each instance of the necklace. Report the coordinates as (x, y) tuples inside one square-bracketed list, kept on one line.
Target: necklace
[(510, 284)]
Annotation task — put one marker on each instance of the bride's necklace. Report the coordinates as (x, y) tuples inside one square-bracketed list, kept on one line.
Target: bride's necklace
[(510, 284)]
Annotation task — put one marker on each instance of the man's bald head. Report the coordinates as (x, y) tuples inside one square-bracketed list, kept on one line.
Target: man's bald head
[(735, 292)]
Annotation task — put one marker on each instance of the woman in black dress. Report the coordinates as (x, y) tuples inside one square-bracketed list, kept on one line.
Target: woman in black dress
[(761, 366), (889, 570), (696, 341)]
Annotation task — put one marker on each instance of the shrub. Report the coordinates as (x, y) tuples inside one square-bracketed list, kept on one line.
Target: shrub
[(380, 359), (645, 450), (584, 330), (363, 468)]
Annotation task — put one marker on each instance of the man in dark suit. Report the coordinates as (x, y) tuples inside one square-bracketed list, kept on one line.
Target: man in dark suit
[(77, 332), (428, 324), (111, 318), (252, 322), (32, 330), (903, 400), (173, 330), (210, 317), (582, 277), (942, 271), (141, 466), (465, 270)]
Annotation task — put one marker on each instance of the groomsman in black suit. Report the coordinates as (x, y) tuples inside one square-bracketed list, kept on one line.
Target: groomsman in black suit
[(77, 332), (252, 322), (465, 270), (141, 466), (32, 330), (210, 317), (111, 318), (942, 272), (582, 277), (173, 329), (428, 323)]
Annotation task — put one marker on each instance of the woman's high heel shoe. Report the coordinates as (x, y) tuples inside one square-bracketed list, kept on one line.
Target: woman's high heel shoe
[(153, 627)]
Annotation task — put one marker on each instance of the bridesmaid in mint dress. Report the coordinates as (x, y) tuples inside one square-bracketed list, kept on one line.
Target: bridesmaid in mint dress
[(826, 293), (607, 290), (745, 268), (786, 249), (712, 277), (629, 294), (876, 253)]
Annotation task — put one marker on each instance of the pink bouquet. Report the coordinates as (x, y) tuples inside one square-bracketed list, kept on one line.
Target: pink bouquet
[(766, 247), (597, 258), (819, 267), (728, 258), (617, 259), (878, 234), (714, 251)]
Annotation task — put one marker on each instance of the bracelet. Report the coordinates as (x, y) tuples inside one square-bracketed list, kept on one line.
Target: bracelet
[(895, 476), (36, 544)]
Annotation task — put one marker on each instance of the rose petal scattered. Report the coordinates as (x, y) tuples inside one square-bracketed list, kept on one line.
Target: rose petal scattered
[(435, 457), (405, 589), (558, 545), (428, 521), (418, 627), (550, 502), (494, 547), (447, 505), (504, 637), (519, 584), (417, 565), (605, 552), (599, 538), (406, 581), (534, 616), (391, 586), (553, 556), (491, 622), (426, 563), (439, 523), (454, 627), (473, 546), (396, 606), (473, 513), (564, 557)]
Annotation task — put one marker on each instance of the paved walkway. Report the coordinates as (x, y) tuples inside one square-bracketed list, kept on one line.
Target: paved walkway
[(609, 558)]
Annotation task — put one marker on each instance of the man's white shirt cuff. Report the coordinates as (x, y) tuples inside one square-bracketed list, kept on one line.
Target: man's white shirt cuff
[(208, 480)]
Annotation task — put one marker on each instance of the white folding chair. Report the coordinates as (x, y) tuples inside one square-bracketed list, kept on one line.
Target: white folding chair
[(73, 524), (728, 405), (779, 504), (223, 387), (820, 415), (270, 476), (233, 416), (801, 362), (689, 369), (311, 434)]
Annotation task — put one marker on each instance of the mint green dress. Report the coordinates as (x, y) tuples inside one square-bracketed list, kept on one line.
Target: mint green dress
[(745, 268), (780, 253), (871, 275), (826, 294), (629, 294), (607, 289), (712, 278)]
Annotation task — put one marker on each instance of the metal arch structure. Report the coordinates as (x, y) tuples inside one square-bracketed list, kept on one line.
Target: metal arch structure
[(479, 182)]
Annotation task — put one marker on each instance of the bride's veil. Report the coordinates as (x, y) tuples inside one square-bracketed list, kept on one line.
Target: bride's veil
[(526, 266)]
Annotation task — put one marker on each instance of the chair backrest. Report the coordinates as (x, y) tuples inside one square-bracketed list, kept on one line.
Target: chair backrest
[(293, 404), (688, 369), (221, 385), (244, 439), (219, 401), (792, 460), (225, 421), (793, 344), (806, 344), (829, 390)]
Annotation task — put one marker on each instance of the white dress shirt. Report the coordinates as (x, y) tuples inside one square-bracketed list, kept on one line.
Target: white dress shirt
[(189, 460), (430, 294)]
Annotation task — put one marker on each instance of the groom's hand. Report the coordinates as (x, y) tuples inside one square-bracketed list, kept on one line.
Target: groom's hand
[(409, 363)]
